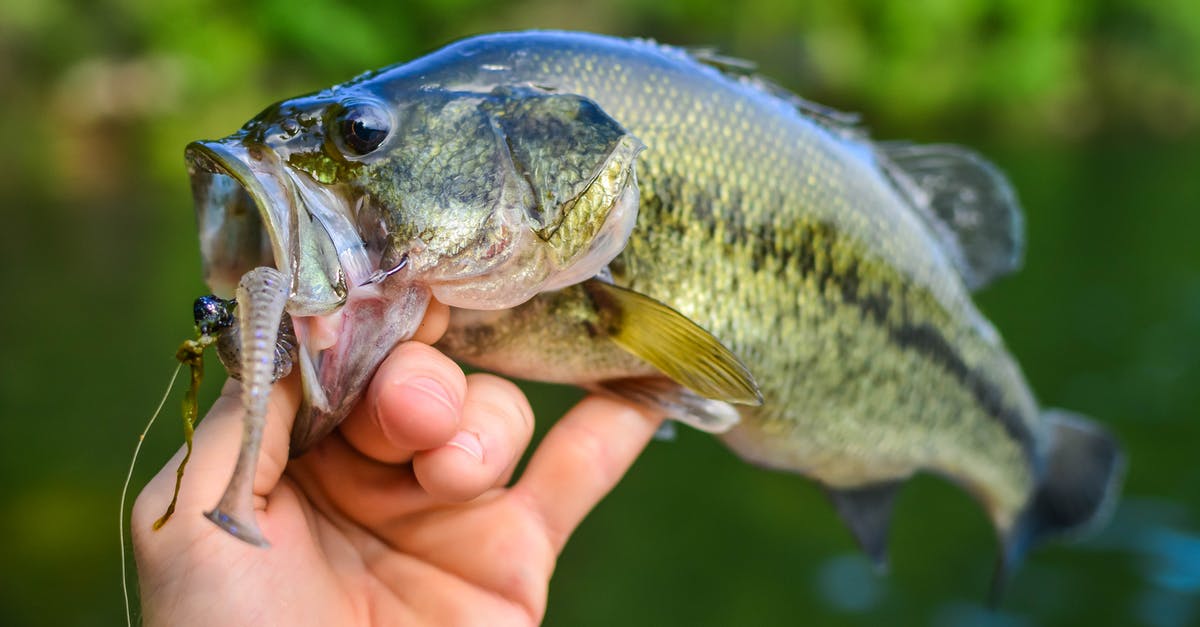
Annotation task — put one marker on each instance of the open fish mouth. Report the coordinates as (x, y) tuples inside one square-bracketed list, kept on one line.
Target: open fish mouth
[(251, 211), (253, 214)]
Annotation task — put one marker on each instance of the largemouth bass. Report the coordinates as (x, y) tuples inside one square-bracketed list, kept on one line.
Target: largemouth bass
[(789, 284)]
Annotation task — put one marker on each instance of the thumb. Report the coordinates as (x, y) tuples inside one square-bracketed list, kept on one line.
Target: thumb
[(215, 447)]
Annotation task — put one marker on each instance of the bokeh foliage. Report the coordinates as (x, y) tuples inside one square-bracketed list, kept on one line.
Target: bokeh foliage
[(1093, 108)]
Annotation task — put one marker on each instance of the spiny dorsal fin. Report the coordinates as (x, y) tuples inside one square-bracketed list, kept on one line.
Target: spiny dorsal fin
[(867, 511), (712, 57), (968, 202), (839, 122), (678, 347)]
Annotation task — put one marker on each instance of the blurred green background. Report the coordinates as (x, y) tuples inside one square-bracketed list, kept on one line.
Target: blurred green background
[(1093, 109)]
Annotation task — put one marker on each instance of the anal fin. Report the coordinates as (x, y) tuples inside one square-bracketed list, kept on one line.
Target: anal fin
[(677, 402), (867, 511)]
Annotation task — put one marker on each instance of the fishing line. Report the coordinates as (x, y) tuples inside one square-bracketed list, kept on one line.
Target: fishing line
[(125, 492)]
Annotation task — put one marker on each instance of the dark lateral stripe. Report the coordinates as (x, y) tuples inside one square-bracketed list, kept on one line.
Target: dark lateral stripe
[(927, 340), (808, 248), (811, 252), (930, 343)]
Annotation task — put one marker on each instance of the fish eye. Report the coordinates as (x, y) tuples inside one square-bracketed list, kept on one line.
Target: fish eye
[(362, 127)]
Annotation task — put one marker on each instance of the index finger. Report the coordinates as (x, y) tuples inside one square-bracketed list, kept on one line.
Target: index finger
[(581, 460)]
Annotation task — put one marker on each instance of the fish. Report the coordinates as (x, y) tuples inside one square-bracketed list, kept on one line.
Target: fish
[(666, 226)]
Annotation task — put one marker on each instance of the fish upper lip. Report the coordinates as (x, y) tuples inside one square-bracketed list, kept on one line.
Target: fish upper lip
[(274, 205)]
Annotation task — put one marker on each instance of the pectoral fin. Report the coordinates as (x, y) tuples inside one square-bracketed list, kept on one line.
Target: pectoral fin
[(675, 345)]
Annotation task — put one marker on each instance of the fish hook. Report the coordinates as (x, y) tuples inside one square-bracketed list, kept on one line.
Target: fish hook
[(379, 275)]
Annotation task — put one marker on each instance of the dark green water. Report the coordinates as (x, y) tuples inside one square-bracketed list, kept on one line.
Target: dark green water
[(99, 264)]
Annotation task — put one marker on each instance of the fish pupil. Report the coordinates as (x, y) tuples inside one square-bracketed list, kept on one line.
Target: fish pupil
[(362, 130)]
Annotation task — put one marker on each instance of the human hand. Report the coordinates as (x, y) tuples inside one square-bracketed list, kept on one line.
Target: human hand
[(402, 516)]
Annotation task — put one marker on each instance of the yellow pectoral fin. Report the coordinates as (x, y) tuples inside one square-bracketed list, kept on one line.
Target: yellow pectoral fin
[(678, 347)]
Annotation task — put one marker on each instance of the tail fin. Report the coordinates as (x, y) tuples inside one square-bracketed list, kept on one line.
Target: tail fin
[(1080, 481)]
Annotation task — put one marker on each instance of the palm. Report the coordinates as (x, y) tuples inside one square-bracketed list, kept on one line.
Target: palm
[(324, 568), (487, 561)]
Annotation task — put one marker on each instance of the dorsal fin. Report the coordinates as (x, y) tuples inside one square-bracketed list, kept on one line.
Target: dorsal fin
[(839, 122), (711, 56), (968, 202)]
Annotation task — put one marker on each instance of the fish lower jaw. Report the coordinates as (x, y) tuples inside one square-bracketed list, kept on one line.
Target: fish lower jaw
[(340, 351)]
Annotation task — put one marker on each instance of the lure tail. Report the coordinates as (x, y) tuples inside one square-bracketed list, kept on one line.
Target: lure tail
[(262, 295), (1082, 475)]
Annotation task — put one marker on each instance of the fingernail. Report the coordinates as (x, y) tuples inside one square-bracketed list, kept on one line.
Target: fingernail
[(469, 443), (434, 389)]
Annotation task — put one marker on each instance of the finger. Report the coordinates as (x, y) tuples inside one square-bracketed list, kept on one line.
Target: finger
[(338, 477), (494, 430), (215, 447), (433, 325), (413, 403), (580, 461)]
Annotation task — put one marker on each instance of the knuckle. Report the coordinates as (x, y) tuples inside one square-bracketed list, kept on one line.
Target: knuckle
[(503, 398), (148, 506), (548, 531), (412, 351), (588, 448)]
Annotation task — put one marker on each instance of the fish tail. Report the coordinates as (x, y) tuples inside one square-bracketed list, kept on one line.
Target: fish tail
[(1080, 480)]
